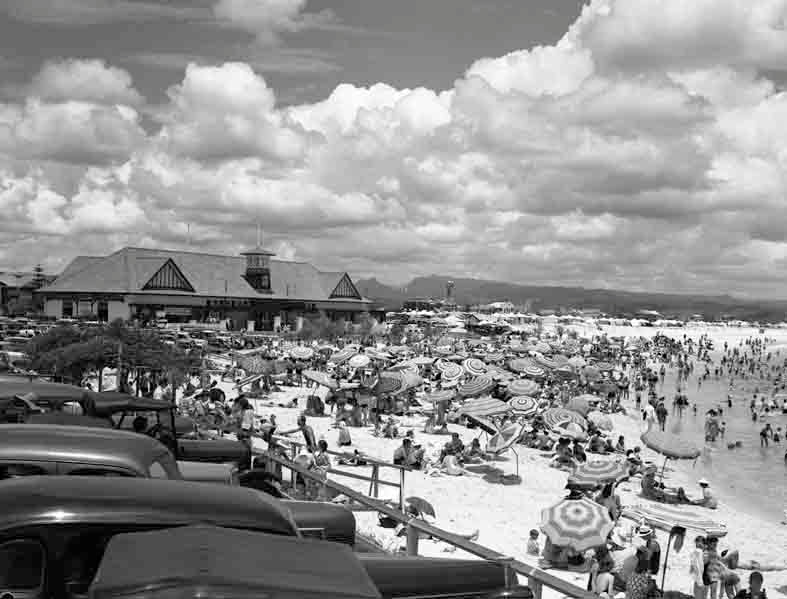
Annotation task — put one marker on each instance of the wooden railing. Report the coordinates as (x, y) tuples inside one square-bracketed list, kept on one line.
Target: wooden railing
[(537, 578), (374, 479)]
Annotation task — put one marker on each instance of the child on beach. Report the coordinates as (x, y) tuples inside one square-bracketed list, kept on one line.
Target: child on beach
[(533, 547)]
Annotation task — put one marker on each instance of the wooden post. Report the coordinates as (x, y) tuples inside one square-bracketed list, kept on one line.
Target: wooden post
[(535, 586), (509, 575), (401, 490), (374, 487), (413, 534)]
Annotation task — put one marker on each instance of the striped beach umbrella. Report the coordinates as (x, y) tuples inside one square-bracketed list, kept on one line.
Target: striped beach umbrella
[(341, 356), (547, 363), (577, 361), (600, 420), (604, 366), (555, 417), (523, 405), (375, 354), (520, 364), (301, 353), (321, 378), (389, 382), (502, 441), (534, 372), (359, 361), (494, 357), (441, 395), (411, 379), (560, 360), (599, 472), (477, 386), (542, 348), (523, 387), (670, 445), (474, 366), (449, 371), (580, 524), (483, 407)]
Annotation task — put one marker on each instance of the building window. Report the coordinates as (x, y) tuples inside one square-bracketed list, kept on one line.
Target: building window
[(103, 311), (68, 309)]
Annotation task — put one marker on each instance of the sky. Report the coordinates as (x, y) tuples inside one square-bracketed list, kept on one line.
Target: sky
[(627, 144)]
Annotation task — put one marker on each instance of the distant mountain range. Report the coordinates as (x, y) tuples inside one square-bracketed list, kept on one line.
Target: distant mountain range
[(618, 303)]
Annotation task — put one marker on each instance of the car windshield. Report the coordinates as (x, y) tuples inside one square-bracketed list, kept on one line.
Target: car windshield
[(21, 565)]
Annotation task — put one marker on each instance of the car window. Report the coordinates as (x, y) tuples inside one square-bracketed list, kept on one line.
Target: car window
[(157, 470), (21, 565), (80, 562), (99, 472), (16, 470)]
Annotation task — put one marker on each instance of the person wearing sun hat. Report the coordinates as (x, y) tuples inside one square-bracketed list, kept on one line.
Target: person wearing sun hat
[(708, 498), (651, 547)]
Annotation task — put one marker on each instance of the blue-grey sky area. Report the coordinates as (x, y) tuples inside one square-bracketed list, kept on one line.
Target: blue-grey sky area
[(607, 143)]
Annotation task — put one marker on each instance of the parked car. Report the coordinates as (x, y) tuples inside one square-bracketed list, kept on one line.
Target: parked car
[(38, 449), (54, 532), (34, 450)]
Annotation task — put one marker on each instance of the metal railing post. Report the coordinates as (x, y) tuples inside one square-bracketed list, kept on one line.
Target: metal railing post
[(401, 490)]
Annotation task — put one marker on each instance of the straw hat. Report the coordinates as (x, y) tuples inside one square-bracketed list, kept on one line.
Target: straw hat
[(703, 482), (644, 531)]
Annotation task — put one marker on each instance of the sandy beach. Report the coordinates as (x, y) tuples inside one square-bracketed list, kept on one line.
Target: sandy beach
[(504, 514)]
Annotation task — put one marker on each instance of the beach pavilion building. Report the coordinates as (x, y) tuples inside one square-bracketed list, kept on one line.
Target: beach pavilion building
[(250, 290)]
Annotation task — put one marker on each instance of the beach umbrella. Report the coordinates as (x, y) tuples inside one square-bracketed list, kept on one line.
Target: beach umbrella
[(398, 349), (494, 357), (449, 371), (565, 373), (603, 366), (441, 395), (474, 366), (571, 430), (421, 505), (411, 379), (560, 360), (554, 417), (301, 353), (477, 386), (534, 372), (545, 362), (504, 439), (523, 405), (520, 364), (580, 524), (669, 445), (377, 354), (359, 361), (599, 472), (523, 387), (666, 516), (483, 407), (389, 382), (342, 355), (422, 361), (542, 348), (483, 423), (499, 374), (577, 361), (321, 378), (602, 421)]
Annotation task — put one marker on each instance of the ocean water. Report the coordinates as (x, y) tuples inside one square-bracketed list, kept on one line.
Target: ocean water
[(750, 478)]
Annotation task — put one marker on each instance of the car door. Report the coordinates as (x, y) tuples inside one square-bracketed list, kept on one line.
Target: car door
[(23, 568)]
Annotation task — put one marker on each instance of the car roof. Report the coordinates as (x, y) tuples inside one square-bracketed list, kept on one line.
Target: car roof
[(145, 501), (82, 444)]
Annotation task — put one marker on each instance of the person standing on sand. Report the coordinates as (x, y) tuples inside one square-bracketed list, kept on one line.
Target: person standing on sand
[(697, 567), (661, 414)]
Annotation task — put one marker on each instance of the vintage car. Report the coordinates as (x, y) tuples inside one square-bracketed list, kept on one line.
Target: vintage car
[(38, 449), (210, 561), (54, 531), (32, 450), (21, 396)]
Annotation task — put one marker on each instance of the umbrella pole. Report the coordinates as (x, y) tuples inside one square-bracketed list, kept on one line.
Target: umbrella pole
[(666, 561), (516, 455)]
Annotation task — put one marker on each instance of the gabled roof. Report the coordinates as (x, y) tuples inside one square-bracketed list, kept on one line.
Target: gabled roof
[(128, 271)]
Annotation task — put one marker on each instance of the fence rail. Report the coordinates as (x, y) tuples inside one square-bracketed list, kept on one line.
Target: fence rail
[(537, 578)]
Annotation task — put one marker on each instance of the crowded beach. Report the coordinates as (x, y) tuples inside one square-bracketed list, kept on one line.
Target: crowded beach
[(554, 448)]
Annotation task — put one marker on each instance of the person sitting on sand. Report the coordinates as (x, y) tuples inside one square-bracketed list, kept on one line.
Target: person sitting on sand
[(473, 453), (601, 580), (564, 457), (579, 452), (596, 444), (708, 498), (344, 435), (620, 447), (652, 489), (408, 454), (454, 447)]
